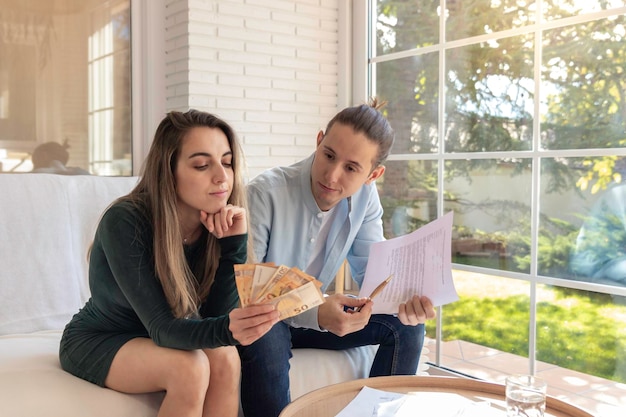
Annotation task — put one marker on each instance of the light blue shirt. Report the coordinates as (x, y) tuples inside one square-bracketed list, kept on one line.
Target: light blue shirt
[(286, 220)]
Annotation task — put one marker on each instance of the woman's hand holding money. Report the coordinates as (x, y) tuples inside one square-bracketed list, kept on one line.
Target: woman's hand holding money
[(248, 324)]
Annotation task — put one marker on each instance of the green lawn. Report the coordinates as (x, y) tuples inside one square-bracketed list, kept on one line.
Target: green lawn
[(577, 330)]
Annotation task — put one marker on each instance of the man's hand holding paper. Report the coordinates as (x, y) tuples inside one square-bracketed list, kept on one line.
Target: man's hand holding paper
[(421, 263)]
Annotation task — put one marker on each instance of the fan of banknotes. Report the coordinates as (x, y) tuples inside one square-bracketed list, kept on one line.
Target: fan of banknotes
[(291, 290)]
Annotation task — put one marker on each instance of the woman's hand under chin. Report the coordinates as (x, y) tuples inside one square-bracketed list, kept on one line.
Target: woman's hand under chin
[(229, 221)]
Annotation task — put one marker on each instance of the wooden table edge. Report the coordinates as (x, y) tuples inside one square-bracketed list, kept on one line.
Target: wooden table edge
[(412, 382)]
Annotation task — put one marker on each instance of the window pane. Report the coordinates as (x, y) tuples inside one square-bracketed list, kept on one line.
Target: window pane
[(410, 87), (402, 25), (467, 18), (485, 332), (538, 200), (65, 87), (491, 203), (582, 229), (566, 8), (585, 332), (583, 103), (489, 96), (408, 194)]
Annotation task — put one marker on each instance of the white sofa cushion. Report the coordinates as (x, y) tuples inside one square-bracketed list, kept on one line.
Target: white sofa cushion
[(47, 227), (32, 383), (315, 368)]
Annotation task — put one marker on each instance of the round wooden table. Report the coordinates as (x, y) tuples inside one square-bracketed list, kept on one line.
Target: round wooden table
[(330, 400)]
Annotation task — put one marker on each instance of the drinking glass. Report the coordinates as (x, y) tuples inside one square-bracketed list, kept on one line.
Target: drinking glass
[(525, 396)]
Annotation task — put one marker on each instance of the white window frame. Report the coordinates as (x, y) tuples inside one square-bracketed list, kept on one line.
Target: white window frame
[(362, 87), (148, 62)]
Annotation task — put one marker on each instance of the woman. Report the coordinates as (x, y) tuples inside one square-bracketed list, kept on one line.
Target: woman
[(162, 314)]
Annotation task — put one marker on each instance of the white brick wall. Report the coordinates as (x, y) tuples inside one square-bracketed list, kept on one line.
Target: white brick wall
[(268, 67)]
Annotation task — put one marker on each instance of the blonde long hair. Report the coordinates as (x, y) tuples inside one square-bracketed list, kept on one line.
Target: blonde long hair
[(156, 195)]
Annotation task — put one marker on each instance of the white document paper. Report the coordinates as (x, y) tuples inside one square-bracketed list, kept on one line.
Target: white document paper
[(371, 402), (421, 264), (445, 404)]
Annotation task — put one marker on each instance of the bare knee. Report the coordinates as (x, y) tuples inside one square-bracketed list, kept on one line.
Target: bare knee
[(225, 364), (191, 374)]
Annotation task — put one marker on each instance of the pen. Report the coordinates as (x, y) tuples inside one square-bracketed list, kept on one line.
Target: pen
[(377, 290)]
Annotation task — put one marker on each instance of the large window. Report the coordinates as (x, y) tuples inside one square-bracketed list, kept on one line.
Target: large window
[(65, 82), (512, 114)]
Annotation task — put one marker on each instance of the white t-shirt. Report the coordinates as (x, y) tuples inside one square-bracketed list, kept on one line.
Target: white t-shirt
[(316, 261)]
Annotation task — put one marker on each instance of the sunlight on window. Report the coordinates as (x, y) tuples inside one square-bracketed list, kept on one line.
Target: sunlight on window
[(65, 81), (4, 94), (101, 98), (515, 121)]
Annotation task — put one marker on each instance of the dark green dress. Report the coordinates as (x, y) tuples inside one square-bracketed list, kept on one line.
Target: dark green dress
[(127, 300)]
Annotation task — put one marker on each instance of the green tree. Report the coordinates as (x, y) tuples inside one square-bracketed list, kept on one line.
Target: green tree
[(489, 86), (489, 98)]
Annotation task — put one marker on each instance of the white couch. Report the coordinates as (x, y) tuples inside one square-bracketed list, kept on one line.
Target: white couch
[(46, 225)]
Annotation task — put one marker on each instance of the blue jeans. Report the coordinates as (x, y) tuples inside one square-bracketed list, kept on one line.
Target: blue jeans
[(265, 363)]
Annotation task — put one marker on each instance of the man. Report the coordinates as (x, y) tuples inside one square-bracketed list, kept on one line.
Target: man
[(52, 157), (313, 215)]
